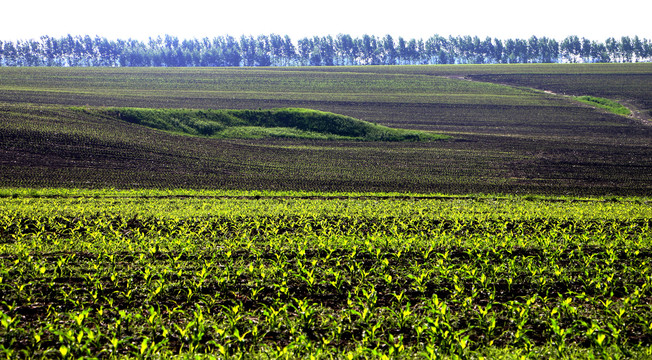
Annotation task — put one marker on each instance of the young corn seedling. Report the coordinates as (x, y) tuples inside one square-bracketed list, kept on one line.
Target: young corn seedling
[(307, 275), (597, 335), (520, 314), (9, 325), (487, 320), (337, 279), (395, 345), (403, 316), (560, 334), (419, 282), (307, 313), (234, 314)]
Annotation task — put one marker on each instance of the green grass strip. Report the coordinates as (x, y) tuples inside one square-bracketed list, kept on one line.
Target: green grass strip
[(262, 123), (603, 103), (10, 192)]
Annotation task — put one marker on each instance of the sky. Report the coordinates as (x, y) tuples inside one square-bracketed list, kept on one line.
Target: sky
[(136, 19)]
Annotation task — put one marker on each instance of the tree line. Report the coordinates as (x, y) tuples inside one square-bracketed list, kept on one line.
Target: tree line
[(277, 50)]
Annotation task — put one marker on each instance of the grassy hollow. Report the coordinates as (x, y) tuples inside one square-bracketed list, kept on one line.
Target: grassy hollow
[(268, 123)]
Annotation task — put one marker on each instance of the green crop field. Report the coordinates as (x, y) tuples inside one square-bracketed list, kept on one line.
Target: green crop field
[(287, 275), (456, 212)]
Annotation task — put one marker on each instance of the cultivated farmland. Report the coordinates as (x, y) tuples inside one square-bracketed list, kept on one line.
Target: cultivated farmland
[(505, 139), (109, 273), (144, 214)]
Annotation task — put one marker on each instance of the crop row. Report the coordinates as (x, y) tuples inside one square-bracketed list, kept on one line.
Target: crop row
[(75, 282)]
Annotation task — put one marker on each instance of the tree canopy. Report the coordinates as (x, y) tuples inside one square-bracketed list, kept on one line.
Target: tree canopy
[(278, 50)]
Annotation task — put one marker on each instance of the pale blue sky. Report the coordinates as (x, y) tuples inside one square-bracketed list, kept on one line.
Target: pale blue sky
[(595, 20)]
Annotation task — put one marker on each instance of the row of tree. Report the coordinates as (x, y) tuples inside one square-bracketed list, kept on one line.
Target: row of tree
[(276, 50)]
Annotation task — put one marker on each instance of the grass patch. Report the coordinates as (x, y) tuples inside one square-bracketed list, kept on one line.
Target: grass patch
[(260, 132), (257, 124), (603, 103)]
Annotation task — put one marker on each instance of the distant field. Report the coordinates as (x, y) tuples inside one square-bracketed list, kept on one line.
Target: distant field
[(505, 139), (629, 82)]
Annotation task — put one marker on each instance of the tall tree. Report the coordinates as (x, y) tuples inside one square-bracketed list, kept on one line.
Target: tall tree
[(305, 47), (276, 44), (248, 50), (10, 54), (487, 51), (389, 51), (637, 45), (571, 48), (327, 50), (521, 50), (647, 49), (549, 50), (263, 50), (534, 49), (498, 50), (343, 49), (411, 51), (401, 50), (315, 52), (2, 51), (510, 51), (289, 51), (612, 48), (171, 42), (369, 51), (586, 50), (231, 51), (599, 52), (626, 48)]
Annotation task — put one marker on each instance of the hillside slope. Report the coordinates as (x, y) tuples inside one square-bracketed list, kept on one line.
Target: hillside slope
[(505, 139)]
